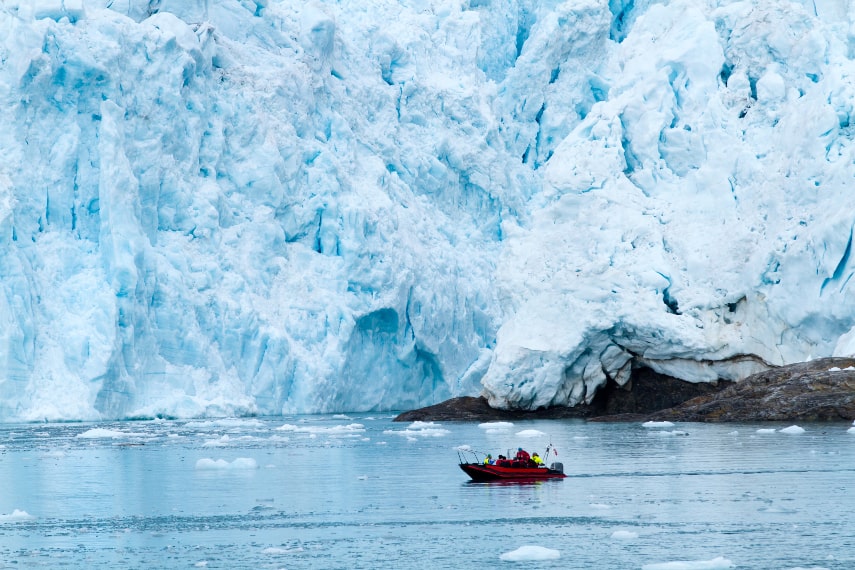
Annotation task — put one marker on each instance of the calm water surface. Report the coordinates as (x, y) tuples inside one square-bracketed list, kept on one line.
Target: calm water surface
[(365, 492)]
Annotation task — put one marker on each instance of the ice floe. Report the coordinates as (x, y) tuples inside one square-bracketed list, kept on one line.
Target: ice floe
[(208, 464), (657, 424), (103, 433), (530, 433), (420, 429), (714, 564), (530, 553), (16, 516)]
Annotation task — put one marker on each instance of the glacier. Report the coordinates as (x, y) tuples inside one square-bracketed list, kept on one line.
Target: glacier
[(241, 207)]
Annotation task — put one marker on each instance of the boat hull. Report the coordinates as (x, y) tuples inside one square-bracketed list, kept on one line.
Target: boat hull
[(481, 472)]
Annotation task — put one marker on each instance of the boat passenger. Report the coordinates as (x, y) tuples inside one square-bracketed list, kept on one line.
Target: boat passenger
[(522, 456), (488, 460), (536, 458)]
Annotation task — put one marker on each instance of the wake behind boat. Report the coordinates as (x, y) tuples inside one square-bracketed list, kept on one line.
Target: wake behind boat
[(521, 468)]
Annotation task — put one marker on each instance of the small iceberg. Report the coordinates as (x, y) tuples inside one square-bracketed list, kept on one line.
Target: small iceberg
[(714, 564), (496, 425), (207, 464), (16, 516), (102, 433), (530, 553), (530, 433), (657, 424), (793, 430)]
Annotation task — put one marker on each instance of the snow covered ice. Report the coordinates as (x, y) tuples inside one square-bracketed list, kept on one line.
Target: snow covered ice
[(214, 208)]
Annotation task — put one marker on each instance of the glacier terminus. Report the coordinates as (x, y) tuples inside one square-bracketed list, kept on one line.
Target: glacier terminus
[(240, 207)]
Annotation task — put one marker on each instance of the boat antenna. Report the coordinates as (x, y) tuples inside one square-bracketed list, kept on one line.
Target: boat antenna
[(548, 447)]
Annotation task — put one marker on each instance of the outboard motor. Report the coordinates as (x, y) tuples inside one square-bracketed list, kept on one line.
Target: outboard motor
[(556, 466)]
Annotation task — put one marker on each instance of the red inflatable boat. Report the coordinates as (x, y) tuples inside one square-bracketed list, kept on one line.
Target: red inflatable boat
[(512, 471)]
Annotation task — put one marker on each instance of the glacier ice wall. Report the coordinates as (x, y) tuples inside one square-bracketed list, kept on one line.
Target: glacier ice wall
[(244, 206)]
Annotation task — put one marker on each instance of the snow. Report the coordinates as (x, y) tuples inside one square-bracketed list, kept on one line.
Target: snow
[(213, 209), (530, 553), (241, 463), (714, 564)]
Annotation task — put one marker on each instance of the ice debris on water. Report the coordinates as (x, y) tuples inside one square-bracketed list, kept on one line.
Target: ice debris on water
[(16, 515), (530, 553), (208, 464), (719, 563)]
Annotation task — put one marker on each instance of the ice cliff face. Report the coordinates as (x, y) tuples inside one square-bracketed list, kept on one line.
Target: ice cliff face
[(230, 207)]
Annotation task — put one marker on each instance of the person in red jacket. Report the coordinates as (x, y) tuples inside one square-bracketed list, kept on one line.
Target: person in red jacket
[(522, 456)]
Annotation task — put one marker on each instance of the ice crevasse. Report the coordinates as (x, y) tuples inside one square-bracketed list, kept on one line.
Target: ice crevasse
[(259, 207)]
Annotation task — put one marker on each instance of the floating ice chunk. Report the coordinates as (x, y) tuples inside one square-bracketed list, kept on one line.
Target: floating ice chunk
[(420, 429), (851, 430), (224, 423), (496, 425), (834, 369), (16, 516), (207, 464), (624, 535), (348, 429), (714, 564), (219, 442), (766, 430), (464, 447), (98, 433), (277, 551), (793, 430), (530, 433), (530, 553), (657, 424)]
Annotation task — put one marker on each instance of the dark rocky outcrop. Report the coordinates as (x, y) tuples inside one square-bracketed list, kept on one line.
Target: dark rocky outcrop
[(806, 391), (646, 392)]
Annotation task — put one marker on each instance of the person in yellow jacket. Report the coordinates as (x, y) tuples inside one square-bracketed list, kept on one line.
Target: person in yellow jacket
[(488, 460), (536, 458)]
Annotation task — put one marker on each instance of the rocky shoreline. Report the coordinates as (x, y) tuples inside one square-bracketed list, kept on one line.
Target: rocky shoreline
[(819, 390)]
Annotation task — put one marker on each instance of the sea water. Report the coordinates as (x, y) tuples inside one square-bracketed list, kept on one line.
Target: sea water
[(365, 492)]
